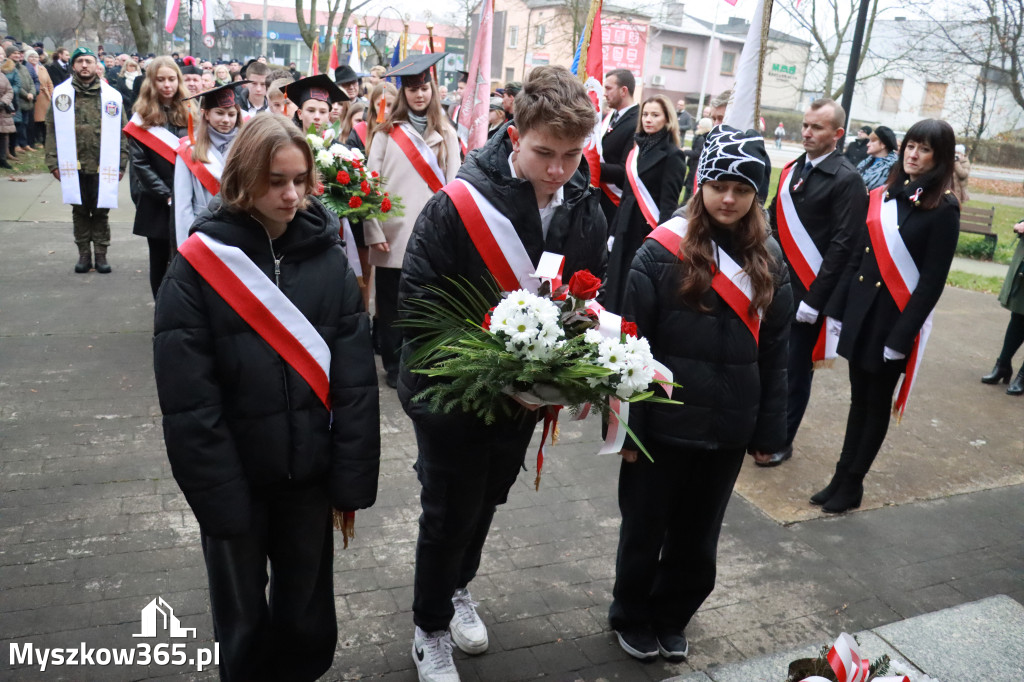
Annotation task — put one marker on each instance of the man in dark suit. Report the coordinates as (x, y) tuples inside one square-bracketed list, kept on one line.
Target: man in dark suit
[(829, 204), (617, 131), (58, 68)]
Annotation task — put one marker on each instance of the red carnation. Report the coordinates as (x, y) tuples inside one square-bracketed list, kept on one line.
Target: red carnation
[(385, 205), (343, 178), (487, 319), (319, 188), (365, 186), (374, 174), (355, 202), (357, 164), (629, 328), (584, 286)]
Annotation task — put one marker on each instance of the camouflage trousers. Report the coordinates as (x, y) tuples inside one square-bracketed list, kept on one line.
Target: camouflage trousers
[(90, 223)]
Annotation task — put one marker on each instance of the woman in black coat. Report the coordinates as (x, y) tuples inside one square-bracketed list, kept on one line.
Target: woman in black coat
[(159, 120), (729, 357), (660, 169), (879, 333), (263, 444)]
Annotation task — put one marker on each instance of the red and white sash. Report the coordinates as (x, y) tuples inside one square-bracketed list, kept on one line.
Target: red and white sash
[(270, 313), (612, 191), (901, 276), (806, 260), (419, 154), (648, 206), (157, 138), (208, 174), (729, 281), (494, 237), (360, 128)]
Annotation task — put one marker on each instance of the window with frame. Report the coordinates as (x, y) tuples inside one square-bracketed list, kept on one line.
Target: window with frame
[(513, 36), (510, 74), (728, 63), (673, 57), (934, 100), (892, 90), (539, 36)]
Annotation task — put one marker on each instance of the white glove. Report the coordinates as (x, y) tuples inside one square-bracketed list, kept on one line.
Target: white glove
[(806, 314), (890, 354)]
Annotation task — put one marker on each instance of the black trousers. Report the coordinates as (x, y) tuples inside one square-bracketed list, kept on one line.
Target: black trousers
[(871, 396), (672, 511), (159, 257), (387, 314), (292, 635), (465, 475), (802, 338)]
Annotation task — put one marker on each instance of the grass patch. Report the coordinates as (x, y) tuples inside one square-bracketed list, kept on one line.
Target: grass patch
[(983, 283), (973, 245), (27, 163)]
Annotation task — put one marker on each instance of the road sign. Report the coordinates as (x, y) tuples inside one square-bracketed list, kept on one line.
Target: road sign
[(208, 40)]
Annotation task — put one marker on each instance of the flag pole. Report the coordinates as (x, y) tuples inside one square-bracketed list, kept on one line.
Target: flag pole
[(707, 63), (588, 32)]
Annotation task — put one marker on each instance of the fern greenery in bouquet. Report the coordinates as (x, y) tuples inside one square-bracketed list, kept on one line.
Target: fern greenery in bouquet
[(547, 348), (348, 190)]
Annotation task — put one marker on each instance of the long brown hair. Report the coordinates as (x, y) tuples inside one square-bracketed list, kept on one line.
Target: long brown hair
[(750, 237), (201, 149), (247, 169), (148, 104), (436, 119), (671, 120), (938, 135), (346, 122)]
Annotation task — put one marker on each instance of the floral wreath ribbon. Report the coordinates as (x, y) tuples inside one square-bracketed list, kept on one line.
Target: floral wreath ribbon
[(849, 665)]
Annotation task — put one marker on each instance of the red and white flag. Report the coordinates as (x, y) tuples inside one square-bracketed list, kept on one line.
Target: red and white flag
[(314, 59), (332, 61), (476, 100), (171, 15), (207, 10)]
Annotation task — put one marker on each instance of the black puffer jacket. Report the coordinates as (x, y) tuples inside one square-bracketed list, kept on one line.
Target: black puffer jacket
[(440, 248), (236, 416), (733, 389)]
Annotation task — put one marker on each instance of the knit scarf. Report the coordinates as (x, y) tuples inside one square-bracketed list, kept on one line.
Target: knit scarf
[(648, 141), (221, 141), (418, 122)]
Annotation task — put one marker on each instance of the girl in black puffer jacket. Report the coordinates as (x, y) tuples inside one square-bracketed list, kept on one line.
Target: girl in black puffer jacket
[(724, 334), (263, 444)]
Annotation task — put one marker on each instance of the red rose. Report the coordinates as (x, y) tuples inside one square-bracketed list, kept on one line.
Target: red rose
[(584, 286), (319, 188), (343, 178), (385, 205), (629, 328), (355, 202), (487, 319), (374, 174), (365, 186)]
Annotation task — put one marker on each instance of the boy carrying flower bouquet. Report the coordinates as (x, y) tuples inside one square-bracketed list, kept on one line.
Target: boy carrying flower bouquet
[(523, 193)]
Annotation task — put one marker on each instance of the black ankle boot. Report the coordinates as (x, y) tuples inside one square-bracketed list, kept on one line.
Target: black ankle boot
[(826, 493), (999, 373), (102, 266), (1017, 386), (849, 495), (84, 263)]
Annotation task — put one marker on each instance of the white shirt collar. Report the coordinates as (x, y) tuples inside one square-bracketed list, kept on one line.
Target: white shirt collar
[(548, 212), (818, 159)]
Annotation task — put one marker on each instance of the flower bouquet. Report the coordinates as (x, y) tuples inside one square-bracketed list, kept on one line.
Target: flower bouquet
[(346, 187), (553, 348), (843, 662)]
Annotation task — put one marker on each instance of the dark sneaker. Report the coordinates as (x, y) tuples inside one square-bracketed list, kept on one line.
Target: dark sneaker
[(639, 643), (673, 645)]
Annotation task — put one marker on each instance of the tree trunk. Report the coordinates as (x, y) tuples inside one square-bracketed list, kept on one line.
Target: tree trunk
[(141, 17), (15, 27)]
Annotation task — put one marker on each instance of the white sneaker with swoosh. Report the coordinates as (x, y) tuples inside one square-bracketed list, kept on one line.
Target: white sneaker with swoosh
[(468, 632), (432, 654)]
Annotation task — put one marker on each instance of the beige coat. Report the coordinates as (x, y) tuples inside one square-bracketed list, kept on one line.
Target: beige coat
[(961, 174), (45, 93), (387, 158)]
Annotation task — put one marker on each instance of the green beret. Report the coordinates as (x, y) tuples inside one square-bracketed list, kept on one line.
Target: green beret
[(82, 52)]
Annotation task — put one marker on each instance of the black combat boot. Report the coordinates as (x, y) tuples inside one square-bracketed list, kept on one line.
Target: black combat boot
[(84, 263), (102, 266)]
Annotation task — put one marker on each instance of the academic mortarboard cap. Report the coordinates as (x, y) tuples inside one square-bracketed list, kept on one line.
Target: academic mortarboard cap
[(317, 87), (415, 69), (220, 97)]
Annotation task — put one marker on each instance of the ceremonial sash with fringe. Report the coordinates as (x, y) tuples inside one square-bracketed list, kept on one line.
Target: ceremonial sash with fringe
[(419, 154), (67, 144), (901, 276), (806, 260)]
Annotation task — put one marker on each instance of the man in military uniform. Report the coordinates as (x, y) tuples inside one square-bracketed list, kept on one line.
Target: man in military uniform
[(91, 103)]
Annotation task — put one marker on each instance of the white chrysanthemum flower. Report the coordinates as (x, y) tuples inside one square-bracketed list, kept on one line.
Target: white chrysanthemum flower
[(324, 158), (339, 151), (329, 135), (356, 154), (315, 141), (529, 325)]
